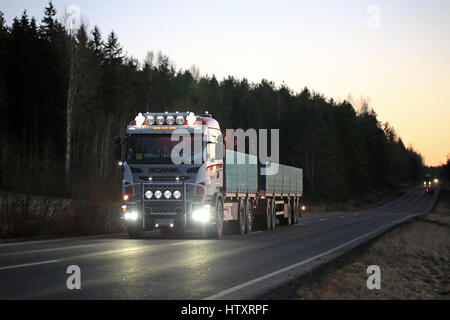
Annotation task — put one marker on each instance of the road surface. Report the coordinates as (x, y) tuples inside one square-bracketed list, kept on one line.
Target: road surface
[(114, 267)]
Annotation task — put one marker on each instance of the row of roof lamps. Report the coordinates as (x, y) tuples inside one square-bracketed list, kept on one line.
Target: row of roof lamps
[(149, 119)]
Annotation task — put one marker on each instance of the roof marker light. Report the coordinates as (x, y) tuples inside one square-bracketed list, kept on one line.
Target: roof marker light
[(180, 120), (160, 120), (150, 120), (170, 120)]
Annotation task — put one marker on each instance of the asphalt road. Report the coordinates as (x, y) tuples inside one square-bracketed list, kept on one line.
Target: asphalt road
[(114, 267)]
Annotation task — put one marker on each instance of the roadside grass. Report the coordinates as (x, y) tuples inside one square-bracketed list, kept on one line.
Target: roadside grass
[(414, 259)]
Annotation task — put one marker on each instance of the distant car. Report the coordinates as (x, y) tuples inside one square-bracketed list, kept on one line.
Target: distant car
[(428, 184)]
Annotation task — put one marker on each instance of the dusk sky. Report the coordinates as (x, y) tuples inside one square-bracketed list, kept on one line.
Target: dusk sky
[(397, 53)]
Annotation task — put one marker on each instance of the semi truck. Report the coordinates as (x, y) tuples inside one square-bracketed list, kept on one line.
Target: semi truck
[(232, 192)]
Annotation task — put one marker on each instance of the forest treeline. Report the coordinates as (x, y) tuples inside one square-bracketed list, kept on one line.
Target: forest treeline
[(65, 94)]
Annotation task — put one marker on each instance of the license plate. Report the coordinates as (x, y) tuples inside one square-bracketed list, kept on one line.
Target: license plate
[(164, 222)]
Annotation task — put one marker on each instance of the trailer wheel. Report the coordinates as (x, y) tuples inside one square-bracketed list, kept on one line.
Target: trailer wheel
[(295, 210), (248, 216), (274, 215), (241, 221), (216, 230), (286, 221), (267, 225)]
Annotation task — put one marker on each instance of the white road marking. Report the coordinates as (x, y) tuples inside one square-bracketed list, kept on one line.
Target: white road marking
[(355, 214), (28, 264), (301, 263), (342, 217), (179, 243), (19, 243), (323, 219), (108, 252)]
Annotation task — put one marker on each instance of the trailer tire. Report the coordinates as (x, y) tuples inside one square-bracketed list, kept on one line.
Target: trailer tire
[(239, 225), (274, 215), (248, 216), (267, 223), (295, 210), (216, 230), (286, 221)]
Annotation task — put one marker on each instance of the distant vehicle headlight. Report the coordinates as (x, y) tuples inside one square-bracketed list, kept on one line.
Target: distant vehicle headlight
[(148, 194), (179, 120), (167, 194), (150, 120), (170, 120), (160, 120), (177, 194), (158, 194)]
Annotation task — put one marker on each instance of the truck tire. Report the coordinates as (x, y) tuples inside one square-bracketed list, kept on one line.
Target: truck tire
[(267, 223), (274, 215), (239, 225), (216, 230), (295, 211), (248, 216), (135, 231), (286, 221)]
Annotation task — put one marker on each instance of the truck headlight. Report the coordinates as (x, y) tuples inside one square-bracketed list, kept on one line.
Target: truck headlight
[(202, 214), (148, 194), (158, 194), (167, 194), (177, 194), (131, 216)]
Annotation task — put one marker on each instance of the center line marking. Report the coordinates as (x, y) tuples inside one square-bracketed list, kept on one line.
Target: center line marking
[(28, 264)]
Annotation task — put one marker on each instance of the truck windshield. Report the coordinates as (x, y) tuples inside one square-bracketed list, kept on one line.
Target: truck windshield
[(155, 149)]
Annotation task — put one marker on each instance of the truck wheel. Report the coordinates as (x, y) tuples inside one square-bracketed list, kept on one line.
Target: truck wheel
[(289, 217), (135, 231), (240, 223), (216, 230), (295, 211), (268, 221), (286, 221), (249, 216), (274, 215)]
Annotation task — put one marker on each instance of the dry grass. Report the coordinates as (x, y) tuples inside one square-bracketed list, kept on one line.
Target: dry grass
[(414, 259)]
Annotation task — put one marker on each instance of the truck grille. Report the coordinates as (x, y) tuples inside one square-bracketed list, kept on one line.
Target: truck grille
[(155, 207)]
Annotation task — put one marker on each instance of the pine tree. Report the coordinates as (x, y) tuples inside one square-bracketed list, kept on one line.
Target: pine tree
[(48, 29), (113, 50)]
